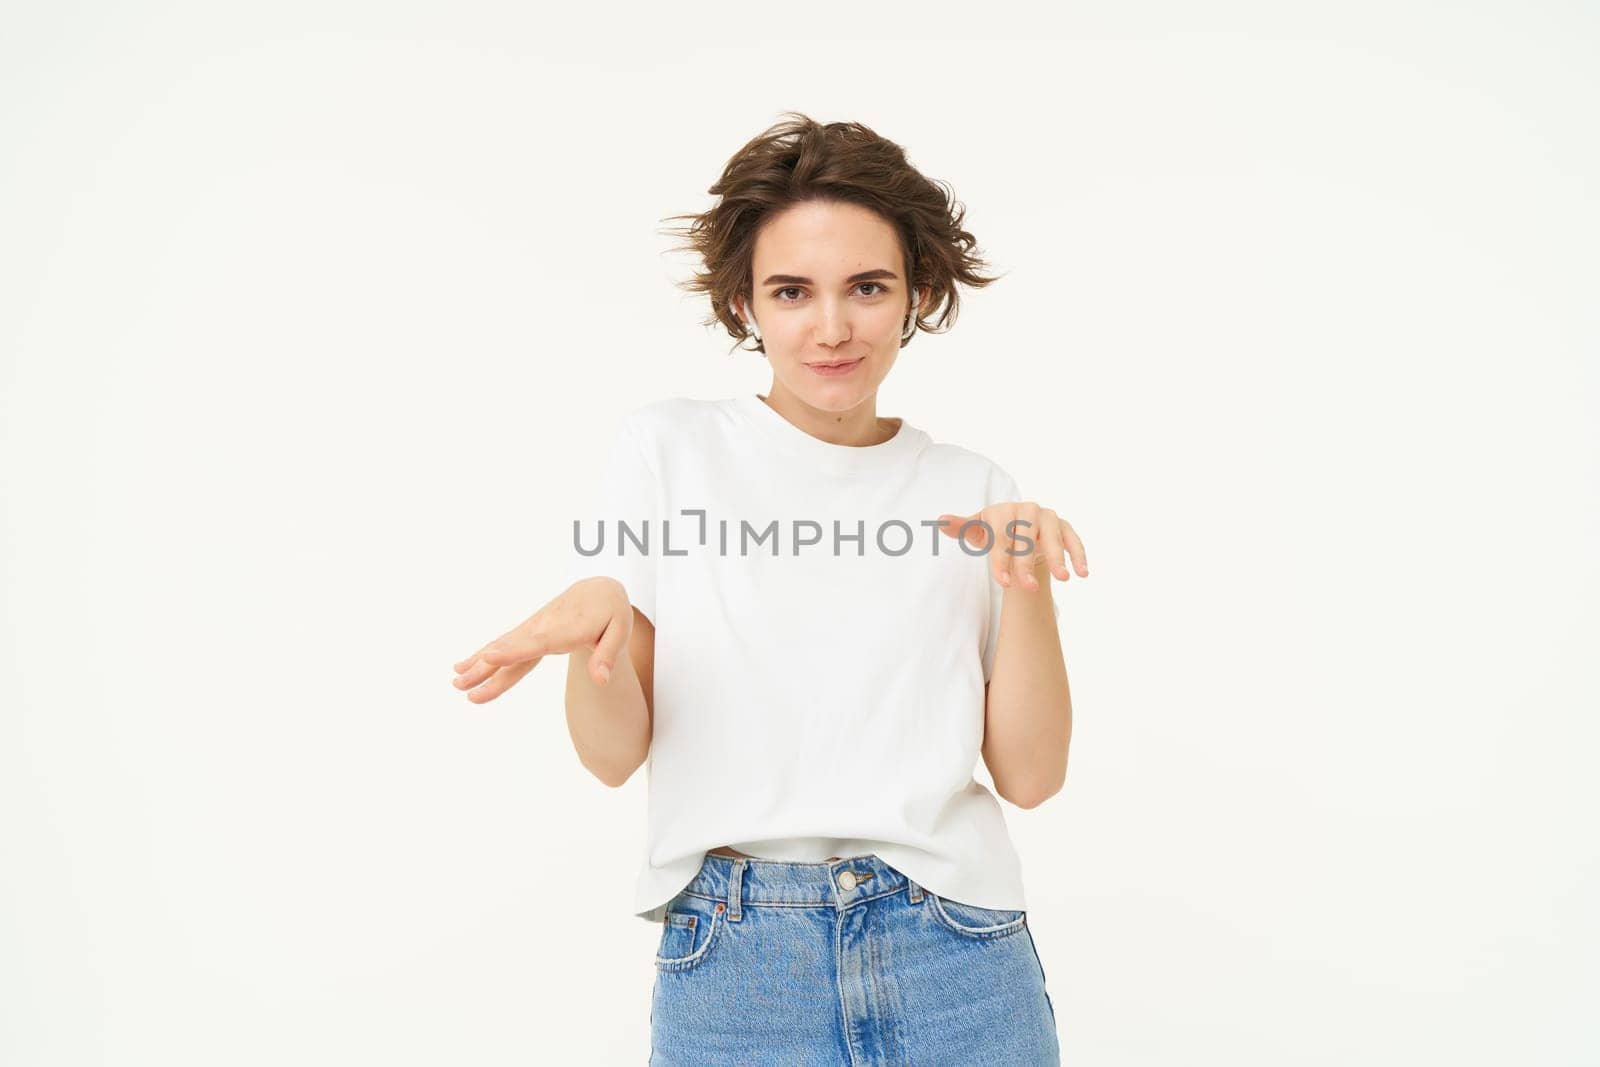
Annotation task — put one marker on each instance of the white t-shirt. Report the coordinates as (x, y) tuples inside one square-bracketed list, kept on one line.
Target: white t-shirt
[(821, 647)]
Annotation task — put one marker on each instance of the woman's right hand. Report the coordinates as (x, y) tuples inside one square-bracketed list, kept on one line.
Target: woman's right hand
[(593, 613)]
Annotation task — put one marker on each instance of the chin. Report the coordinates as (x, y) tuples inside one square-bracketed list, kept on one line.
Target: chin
[(835, 396), (840, 394)]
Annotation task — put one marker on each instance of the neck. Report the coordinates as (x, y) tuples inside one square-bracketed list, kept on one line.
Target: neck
[(859, 426)]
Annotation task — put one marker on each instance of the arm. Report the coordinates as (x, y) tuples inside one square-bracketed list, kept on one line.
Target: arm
[(1027, 703), (611, 725)]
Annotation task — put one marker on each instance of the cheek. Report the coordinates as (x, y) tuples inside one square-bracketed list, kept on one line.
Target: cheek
[(887, 317)]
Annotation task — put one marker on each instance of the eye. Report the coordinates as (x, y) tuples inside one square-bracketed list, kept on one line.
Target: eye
[(878, 289)]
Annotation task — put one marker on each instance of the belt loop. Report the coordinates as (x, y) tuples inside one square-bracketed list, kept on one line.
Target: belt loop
[(734, 891), (916, 891)]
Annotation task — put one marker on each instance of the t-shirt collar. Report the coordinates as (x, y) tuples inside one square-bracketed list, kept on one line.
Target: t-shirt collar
[(824, 454)]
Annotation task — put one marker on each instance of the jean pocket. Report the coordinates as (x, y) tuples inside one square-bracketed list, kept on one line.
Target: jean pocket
[(690, 930), (969, 920)]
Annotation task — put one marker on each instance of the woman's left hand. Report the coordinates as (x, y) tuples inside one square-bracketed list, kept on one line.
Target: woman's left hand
[(1051, 540)]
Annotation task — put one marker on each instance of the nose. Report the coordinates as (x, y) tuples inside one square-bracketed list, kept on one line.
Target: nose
[(832, 327)]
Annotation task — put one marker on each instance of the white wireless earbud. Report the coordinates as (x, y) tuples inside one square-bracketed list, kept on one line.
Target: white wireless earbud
[(750, 324), (911, 316)]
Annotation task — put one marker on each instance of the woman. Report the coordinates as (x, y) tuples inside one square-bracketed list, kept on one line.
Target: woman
[(838, 616)]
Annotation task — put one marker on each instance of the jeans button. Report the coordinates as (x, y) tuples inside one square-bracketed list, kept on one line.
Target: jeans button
[(847, 879)]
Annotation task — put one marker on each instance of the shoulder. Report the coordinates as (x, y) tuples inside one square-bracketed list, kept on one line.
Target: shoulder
[(662, 411), (966, 462), (674, 412), (657, 422)]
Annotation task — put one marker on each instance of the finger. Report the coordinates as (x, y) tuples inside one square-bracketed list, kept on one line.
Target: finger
[(1024, 563), (952, 526), (539, 636), (503, 679), (606, 650), (1051, 544), (474, 675), (1000, 563), (1080, 559)]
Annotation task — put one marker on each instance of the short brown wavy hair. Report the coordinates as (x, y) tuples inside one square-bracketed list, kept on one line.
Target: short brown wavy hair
[(799, 160)]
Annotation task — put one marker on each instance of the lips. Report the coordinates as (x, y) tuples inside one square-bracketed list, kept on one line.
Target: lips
[(834, 370)]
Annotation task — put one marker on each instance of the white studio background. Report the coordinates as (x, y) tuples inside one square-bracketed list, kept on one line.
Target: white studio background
[(315, 317)]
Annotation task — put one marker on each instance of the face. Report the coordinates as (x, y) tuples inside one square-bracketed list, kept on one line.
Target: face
[(829, 287)]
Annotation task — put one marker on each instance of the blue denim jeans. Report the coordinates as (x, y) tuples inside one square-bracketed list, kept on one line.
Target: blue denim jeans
[(842, 964)]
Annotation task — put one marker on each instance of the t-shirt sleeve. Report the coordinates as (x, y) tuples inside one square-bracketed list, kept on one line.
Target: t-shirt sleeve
[(627, 497), (1003, 489)]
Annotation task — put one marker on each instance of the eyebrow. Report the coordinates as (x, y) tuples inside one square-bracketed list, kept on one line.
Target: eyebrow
[(795, 279)]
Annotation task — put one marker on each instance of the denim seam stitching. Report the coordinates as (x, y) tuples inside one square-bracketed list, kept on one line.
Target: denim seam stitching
[(977, 933), (791, 903)]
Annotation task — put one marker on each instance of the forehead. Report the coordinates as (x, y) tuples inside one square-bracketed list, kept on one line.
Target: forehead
[(825, 241)]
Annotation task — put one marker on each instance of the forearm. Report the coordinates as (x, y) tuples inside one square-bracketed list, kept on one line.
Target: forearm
[(609, 724), (1028, 708)]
